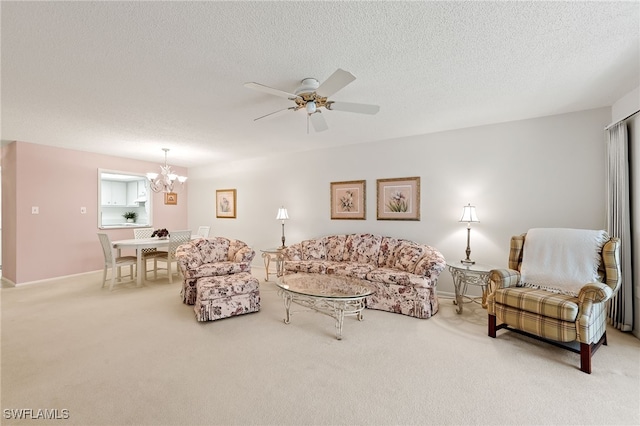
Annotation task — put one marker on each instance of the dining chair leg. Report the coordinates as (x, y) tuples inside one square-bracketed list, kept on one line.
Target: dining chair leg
[(169, 271), (155, 269), (114, 270), (104, 276)]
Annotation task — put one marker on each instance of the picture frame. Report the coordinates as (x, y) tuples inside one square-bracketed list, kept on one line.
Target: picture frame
[(170, 198), (348, 200), (226, 203), (398, 198)]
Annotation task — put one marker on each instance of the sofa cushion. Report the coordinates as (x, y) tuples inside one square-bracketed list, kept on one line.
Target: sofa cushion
[(310, 266), (214, 249), (313, 250), (334, 246), (224, 286), (541, 302), (393, 276), (362, 248), (350, 269), (408, 257), (388, 252), (219, 268)]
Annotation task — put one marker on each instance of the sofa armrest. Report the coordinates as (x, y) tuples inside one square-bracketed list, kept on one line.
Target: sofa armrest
[(245, 254), (431, 264), (504, 278), (292, 252), (188, 257), (595, 292)]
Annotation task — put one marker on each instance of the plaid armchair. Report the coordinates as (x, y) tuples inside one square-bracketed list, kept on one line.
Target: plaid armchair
[(555, 317)]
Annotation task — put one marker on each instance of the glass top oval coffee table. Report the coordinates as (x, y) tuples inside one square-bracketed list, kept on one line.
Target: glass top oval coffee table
[(333, 295)]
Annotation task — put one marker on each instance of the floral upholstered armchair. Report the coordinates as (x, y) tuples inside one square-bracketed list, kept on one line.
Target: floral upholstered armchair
[(210, 257), (556, 288)]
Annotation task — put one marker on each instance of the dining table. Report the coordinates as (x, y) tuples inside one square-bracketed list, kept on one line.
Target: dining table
[(138, 244)]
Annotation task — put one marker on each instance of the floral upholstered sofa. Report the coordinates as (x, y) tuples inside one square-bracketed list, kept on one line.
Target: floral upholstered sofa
[(217, 277), (403, 273)]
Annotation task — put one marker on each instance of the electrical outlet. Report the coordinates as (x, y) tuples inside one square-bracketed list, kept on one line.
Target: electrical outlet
[(83, 210), (35, 210)]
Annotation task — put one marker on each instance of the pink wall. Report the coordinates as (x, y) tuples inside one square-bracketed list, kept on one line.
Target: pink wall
[(8, 210), (60, 240)]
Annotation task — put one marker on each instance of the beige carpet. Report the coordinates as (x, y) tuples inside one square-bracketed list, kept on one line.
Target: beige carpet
[(137, 356)]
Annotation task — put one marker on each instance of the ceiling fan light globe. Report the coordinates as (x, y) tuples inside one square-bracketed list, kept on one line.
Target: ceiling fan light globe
[(311, 107)]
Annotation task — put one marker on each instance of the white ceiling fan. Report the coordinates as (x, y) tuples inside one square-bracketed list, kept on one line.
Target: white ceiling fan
[(313, 96)]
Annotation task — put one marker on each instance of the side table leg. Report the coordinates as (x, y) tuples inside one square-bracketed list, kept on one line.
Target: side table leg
[(267, 260), (457, 283)]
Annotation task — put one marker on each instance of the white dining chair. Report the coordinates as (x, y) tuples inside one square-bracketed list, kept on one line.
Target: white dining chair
[(203, 231), (176, 239), (147, 253), (114, 262)]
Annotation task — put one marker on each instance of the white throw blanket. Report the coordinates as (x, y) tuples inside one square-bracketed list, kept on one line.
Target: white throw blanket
[(561, 260)]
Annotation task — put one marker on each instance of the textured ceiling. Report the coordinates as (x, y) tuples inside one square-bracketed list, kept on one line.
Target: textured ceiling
[(130, 78)]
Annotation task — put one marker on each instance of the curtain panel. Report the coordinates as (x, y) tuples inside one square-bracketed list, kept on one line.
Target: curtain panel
[(620, 311)]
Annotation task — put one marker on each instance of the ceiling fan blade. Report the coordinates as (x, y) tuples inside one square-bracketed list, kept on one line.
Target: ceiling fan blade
[(270, 90), (318, 122), (275, 113), (352, 107), (336, 81)]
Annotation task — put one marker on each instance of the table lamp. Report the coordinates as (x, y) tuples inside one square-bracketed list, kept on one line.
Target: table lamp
[(282, 215), (469, 216)]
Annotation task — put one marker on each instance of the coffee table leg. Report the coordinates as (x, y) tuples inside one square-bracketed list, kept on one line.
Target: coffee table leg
[(339, 311), (287, 307)]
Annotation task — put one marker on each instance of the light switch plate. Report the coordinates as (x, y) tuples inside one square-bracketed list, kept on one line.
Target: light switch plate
[(83, 210), (35, 210)]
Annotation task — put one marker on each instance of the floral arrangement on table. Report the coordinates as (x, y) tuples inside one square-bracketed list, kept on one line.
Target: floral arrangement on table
[(130, 216), (160, 233)]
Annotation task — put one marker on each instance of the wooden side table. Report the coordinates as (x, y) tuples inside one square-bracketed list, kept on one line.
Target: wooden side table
[(274, 254), (465, 275)]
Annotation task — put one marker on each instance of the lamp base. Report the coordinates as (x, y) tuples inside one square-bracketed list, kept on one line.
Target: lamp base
[(468, 262)]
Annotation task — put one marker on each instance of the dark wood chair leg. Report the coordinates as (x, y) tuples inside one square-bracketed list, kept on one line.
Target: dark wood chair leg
[(492, 325), (604, 336), (585, 358)]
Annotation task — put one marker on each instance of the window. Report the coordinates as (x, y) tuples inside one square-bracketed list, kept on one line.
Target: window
[(124, 200)]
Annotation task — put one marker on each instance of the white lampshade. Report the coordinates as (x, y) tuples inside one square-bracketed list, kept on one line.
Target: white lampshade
[(282, 214), (469, 214)]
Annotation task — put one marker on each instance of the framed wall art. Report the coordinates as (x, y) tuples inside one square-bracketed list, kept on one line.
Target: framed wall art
[(170, 198), (398, 199), (348, 200), (226, 203)]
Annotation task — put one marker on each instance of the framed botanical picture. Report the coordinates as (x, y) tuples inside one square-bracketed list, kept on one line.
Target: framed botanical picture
[(348, 200), (170, 198), (226, 203), (398, 199)]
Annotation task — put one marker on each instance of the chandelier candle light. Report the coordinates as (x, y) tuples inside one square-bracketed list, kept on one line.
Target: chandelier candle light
[(469, 216), (164, 182), (282, 215)]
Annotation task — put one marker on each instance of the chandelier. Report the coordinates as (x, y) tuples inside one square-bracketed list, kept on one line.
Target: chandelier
[(165, 181)]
